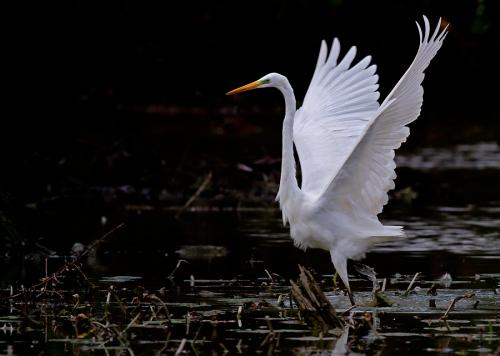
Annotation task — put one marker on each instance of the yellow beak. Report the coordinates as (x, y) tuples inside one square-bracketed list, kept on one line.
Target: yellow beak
[(251, 86)]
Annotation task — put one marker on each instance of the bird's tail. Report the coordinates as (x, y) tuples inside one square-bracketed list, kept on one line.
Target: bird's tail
[(389, 233), (367, 242)]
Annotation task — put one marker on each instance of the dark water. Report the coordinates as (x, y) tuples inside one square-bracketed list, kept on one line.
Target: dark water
[(244, 258)]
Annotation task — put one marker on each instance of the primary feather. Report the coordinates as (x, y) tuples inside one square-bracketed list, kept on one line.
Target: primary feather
[(338, 104)]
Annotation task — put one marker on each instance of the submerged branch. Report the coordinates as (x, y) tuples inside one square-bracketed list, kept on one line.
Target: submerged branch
[(454, 301)]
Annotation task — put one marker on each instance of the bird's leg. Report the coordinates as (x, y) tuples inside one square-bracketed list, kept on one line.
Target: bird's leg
[(349, 293), (340, 263), (351, 297)]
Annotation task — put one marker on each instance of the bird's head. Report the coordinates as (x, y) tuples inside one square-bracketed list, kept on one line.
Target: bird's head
[(273, 80)]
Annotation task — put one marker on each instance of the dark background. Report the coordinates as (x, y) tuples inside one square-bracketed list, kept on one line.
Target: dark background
[(189, 53), (112, 103)]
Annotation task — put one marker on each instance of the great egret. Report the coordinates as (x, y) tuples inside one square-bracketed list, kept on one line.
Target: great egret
[(345, 142)]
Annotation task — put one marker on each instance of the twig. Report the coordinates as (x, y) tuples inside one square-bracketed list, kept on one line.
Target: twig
[(348, 310), (411, 284), (123, 306), (77, 267), (454, 301), (445, 321), (200, 189), (165, 345), (44, 249), (171, 275), (238, 316), (432, 290), (195, 337), (225, 351), (269, 337), (269, 325), (269, 275), (153, 314), (100, 240), (122, 333), (163, 305), (238, 346), (181, 347), (384, 283), (68, 265)]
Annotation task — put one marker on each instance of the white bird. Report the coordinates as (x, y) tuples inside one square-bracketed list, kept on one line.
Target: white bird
[(345, 142)]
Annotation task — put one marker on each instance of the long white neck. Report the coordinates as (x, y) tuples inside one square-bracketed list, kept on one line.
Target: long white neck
[(289, 192)]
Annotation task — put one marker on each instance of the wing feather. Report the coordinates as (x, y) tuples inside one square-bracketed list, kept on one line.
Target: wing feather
[(338, 104), (368, 172)]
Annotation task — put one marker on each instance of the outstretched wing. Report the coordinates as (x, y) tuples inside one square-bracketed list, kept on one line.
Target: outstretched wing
[(367, 174), (337, 107)]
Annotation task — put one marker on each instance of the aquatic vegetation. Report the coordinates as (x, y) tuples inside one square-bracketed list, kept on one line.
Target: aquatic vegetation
[(70, 311)]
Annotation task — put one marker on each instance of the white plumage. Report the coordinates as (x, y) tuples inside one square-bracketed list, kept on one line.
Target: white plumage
[(345, 141)]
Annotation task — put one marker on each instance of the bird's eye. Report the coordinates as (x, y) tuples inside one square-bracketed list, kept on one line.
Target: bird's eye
[(266, 81)]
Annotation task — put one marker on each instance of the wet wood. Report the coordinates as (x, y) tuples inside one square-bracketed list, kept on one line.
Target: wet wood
[(318, 312)]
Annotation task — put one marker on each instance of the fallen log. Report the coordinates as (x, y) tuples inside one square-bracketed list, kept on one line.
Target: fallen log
[(318, 312)]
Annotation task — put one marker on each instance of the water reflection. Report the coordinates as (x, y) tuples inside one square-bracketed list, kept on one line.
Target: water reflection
[(202, 252), (485, 155)]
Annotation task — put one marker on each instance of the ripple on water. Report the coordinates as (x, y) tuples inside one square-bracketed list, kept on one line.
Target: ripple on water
[(485, 155), (460, 231)]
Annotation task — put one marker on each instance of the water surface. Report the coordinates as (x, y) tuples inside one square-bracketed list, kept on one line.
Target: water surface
[(231, 290)]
